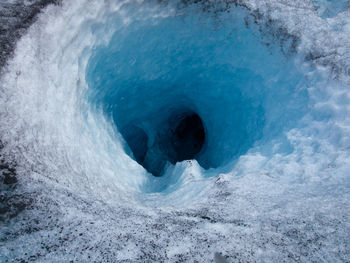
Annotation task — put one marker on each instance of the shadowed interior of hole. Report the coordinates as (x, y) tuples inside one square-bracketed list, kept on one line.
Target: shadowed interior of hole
[(180, 137), (187, 138), (137, 141), (245, 93)]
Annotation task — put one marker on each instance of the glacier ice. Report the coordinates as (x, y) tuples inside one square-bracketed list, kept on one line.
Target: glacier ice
[(183, 64), (82, 106), (330, 8)]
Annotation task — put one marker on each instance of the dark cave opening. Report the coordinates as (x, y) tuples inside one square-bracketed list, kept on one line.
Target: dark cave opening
[(181, 137)]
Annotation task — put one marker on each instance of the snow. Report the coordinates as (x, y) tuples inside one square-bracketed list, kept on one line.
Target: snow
[(270, 81)]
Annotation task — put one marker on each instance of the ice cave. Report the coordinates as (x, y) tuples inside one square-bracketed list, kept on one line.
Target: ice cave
[(174, 131)]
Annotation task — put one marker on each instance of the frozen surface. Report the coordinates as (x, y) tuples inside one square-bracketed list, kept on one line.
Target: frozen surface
[(216, 70), (330, 8), (15, 17), (270, 80)]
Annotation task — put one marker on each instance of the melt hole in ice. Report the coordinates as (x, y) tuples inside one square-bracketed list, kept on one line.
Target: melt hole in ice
[(192, 87), (180, 137)]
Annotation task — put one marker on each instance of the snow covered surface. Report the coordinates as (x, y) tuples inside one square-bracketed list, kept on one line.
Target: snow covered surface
[(78, 195)]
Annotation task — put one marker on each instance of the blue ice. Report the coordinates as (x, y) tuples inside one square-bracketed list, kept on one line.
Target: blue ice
[(330, 8), (245, 92)]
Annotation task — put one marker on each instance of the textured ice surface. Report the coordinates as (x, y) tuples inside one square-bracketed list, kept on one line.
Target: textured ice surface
[(214, 66), (331, 8), (15, 17), (269, 78)]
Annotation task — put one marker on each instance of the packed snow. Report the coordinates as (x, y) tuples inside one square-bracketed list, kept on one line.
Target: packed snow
[(269, 80)]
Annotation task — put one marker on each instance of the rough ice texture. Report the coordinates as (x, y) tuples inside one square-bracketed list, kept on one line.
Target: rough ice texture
[(15, 17), (270, 208)]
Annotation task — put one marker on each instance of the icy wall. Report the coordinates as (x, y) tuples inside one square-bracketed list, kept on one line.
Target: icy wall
[(156, 131)]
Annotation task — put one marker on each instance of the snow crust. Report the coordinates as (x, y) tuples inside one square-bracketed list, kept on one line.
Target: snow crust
[(282, 197)]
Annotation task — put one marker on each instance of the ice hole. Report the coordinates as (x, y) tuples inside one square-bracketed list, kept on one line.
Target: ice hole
[(178, 138), (188, 137), (137, 140), (187, 86)]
